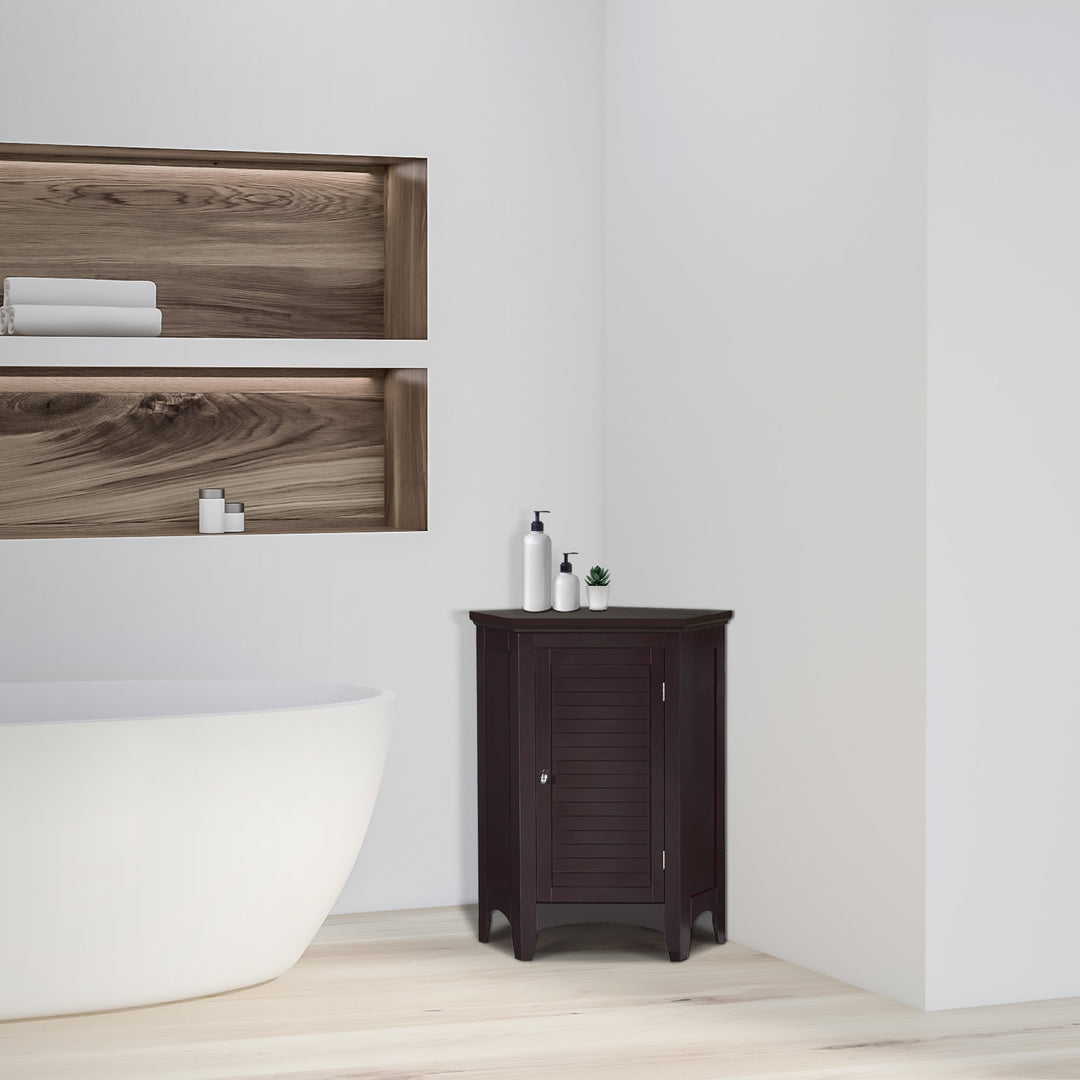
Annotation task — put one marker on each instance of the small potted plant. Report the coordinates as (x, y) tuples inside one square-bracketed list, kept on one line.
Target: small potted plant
[(596, 584)]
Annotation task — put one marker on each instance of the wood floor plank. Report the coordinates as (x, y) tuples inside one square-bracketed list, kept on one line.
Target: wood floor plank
[(411, 995)]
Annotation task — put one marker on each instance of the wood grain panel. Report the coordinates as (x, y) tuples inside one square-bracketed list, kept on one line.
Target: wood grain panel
[(406, 448), (241, 159), (406, 250), (702, 765), (235, 252), (125, 455), (495, 753)]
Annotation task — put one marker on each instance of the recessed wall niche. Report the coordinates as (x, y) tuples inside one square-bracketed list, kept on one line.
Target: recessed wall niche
[(239, 244), (122, 451)]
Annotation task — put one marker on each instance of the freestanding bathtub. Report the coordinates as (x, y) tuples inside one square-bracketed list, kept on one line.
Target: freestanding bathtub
[(164, 840)]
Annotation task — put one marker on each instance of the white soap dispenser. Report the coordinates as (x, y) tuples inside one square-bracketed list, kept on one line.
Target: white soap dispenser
[(537, 566), (566, 589)]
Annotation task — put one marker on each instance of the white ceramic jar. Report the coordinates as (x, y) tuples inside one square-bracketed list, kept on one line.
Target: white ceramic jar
[(211, 510), (234, 517)]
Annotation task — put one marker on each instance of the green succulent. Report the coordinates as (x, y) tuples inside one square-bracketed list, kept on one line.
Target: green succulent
[(598, 576)]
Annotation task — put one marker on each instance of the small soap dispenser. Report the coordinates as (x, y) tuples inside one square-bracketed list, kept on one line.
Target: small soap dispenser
[(566, 590), (537, 566)]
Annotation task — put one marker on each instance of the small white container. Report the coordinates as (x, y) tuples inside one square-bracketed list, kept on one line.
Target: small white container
[(597, 597), (234, 517), (211, 510)]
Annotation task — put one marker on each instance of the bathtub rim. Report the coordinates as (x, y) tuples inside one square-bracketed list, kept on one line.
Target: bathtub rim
[(358, 695)]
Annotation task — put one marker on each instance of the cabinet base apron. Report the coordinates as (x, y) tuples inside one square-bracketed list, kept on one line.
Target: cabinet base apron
[(650, 916)]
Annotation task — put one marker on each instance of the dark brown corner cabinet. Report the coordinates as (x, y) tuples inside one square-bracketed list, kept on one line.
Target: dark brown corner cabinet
[(600, 748)]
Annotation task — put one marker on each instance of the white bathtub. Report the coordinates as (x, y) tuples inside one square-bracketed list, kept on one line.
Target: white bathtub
[(163, 840)]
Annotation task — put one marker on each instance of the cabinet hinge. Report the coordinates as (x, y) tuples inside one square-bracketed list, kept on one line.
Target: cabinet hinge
[(663, 860), (663, 691)]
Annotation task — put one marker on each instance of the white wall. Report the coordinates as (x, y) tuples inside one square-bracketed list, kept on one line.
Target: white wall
[(505, 101), (765, 275), (1003, 733)]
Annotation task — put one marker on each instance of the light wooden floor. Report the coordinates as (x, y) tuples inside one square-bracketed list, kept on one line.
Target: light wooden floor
[(411, 995)]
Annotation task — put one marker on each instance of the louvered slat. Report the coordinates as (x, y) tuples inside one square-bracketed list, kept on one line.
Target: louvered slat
[(600, 738), (605, 713), (612, 684), (563, 835), (575, 661), (611, 881), (606, 700), (597, 809), (619, 766), (601, 781), (598, 726), (587, 670), (601, 753), (611, 795), (602, 851), (600, 866)]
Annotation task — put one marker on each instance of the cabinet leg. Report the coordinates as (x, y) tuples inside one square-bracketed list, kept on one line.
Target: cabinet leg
[(719, 919), (485, 922), (677, 936), (680, 949), (523, 934), (718, 933)]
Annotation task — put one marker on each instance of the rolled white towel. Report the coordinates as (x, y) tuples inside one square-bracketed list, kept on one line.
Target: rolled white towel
[(55, 320), (3, 321), (79, 292)]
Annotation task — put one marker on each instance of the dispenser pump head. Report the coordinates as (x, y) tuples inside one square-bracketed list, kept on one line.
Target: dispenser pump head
[(538, 525), (565, 567)]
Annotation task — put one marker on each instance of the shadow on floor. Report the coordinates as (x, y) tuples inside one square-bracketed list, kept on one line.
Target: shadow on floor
[(605, 941)]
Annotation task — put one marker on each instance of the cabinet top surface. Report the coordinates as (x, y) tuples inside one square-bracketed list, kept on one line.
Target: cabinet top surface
[(614, 618)]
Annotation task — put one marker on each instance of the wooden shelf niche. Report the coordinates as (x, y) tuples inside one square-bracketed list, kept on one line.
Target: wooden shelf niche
[(123, 452), (239, 244)]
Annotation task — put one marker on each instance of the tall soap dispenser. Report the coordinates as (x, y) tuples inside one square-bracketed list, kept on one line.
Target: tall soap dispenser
[(567, 588), (537, 566)]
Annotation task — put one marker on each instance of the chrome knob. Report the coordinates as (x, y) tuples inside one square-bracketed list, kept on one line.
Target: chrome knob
[(545, 776)]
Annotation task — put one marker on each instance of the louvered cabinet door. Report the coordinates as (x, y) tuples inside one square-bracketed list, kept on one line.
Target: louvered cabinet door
[(600, 807)]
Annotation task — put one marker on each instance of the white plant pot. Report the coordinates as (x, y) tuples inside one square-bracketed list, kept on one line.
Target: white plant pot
[(597, 597)]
